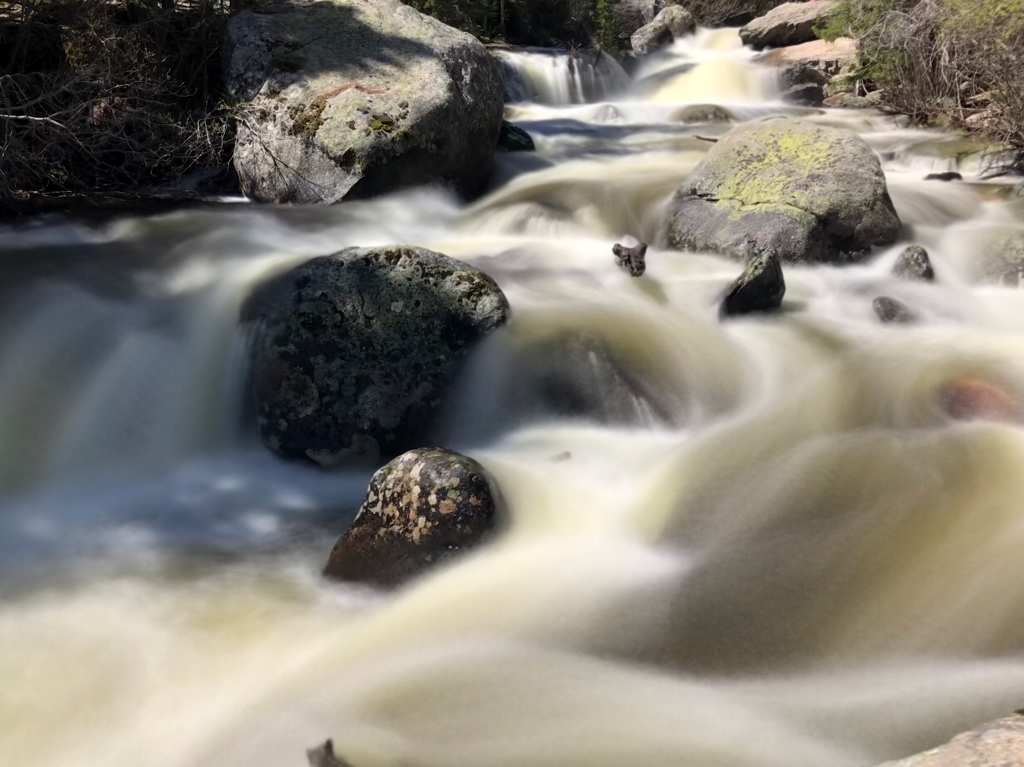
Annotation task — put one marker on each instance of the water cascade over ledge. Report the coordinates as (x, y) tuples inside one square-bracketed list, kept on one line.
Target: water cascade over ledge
[(756, 543)]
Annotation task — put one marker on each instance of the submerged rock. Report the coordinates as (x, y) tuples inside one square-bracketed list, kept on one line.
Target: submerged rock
[(996, 744), (970, 399), (701, 113), (514, 139), (949, 175), (889, 310), (323, 756), (351, 353), (804, 192), (421, 509), (1003, 263), (352, 98), (632, 259), (760, 288), (914, 264), (670, 24), (787, 24)]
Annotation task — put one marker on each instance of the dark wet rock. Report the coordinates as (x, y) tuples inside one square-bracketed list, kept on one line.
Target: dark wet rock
[(804, 84), (787, 24), (759, 289), (804, 192), (914, 264), (632, 259), (701, 113), (514, 139), (996, 744), (670, 24), (950, 175), (352, 98), (324, 756), (352, 353), (889, 310), (421, 509)]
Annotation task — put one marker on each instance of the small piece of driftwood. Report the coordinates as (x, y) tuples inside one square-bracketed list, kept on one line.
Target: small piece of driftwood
[(631, 259)]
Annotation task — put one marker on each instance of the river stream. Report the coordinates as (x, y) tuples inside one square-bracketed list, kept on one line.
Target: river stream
[(749, 543)]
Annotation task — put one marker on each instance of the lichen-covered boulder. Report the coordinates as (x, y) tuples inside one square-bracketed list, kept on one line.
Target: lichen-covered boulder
[(671, 23), (351, 98), (996, 744), (914, 264), (758, 290), (421, 509), (351, 353), (805, 192), (787, 24)]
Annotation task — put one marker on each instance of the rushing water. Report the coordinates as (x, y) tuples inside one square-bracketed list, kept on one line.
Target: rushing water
[(755, 543)]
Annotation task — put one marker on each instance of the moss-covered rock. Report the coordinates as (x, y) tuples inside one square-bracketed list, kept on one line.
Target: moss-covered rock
[(421, 509), (351, 353), (802, 191), (351, 98)]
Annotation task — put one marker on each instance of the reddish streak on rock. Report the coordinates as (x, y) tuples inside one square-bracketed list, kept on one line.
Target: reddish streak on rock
[(973, 399)]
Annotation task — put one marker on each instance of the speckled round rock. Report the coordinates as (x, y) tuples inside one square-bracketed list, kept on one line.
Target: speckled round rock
[(352, 353), (422, 508), (914, 264)]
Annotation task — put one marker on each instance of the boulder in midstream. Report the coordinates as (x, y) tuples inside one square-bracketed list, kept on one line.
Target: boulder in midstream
[(352, 353), (421, 509), (759, 289), (802, 191), (914, 264)]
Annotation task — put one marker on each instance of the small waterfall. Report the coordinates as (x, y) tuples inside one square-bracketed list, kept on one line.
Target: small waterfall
[(557, 78)]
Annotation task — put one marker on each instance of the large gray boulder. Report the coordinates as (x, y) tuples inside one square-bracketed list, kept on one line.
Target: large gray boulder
[(352, 353), (804, 192), (421, 509), (670, 23), (351, 98), (787, 24), (996, 744)]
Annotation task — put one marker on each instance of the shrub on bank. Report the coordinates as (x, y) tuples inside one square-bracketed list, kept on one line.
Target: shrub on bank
[(108, 99), (958, 60)]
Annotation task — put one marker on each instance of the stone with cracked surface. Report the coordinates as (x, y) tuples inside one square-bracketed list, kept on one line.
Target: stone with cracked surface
[(787, 24), (670, 24), (805, 192), (352, 98), (421, 509), (352, 353)]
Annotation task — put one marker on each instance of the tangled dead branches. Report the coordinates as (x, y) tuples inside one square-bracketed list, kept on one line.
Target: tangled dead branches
[(108, 98)]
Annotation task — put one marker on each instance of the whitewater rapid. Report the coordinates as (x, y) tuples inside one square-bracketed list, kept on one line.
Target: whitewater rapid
[(752, 543)]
